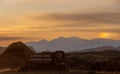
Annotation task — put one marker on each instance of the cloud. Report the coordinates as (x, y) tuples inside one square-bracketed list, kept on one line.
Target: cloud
[(9, 38), (79, 22), (104, 18), (70, 25), (84, 30), (91, 30)]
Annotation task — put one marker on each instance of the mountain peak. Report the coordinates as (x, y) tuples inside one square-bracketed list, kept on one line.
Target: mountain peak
[(70, 38), (43, 41), (61, 37)]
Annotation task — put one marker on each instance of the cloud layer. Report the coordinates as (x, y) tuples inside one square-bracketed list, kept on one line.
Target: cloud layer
[(107, 18), (90, 22), (47, 19), (9, 38)]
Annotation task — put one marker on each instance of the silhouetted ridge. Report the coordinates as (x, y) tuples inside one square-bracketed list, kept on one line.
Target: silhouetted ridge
[(17, 53), (18, 49)]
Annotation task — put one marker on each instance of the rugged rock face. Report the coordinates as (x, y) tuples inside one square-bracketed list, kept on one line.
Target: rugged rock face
[(15, 55)]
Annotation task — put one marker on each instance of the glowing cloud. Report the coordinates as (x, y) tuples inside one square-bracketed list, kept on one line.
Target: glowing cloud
[(104, 35)]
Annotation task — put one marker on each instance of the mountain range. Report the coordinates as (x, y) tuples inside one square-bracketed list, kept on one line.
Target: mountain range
[(71, 44)]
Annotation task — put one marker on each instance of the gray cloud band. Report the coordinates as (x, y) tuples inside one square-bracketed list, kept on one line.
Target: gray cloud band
[(109, 18), (9, 38)]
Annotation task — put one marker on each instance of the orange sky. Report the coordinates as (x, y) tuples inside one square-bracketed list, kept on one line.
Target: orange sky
[(33, 20)]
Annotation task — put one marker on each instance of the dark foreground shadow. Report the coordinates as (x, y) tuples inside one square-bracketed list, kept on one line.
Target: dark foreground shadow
[(43, 73)]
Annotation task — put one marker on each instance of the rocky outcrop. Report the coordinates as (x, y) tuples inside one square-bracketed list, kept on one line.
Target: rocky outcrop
[(15, 55)]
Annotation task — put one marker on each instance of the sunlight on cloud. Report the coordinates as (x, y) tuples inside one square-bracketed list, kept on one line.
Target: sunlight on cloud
[(48, 19)]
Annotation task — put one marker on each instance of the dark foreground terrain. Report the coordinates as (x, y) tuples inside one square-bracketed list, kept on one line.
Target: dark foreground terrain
[(53, 73), (22, 60)]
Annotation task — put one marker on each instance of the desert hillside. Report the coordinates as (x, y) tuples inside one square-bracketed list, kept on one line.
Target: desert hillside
[(15, 55)]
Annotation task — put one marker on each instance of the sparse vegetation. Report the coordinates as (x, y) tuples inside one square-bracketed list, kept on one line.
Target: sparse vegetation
[(107, 61)]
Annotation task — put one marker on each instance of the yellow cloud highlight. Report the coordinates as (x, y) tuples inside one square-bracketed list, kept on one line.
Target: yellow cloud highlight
[(104, 35)]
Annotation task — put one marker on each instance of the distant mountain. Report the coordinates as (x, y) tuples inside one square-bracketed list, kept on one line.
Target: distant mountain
[(72, 43), (102, 48), (15, 55)]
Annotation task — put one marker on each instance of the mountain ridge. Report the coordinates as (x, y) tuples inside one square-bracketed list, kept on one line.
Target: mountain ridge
[(72, 43)]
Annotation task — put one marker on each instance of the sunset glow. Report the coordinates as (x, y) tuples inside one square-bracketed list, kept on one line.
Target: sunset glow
[(104, 35), (33, 20)]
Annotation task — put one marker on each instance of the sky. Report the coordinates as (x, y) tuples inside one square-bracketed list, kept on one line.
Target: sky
[(33, 20)]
